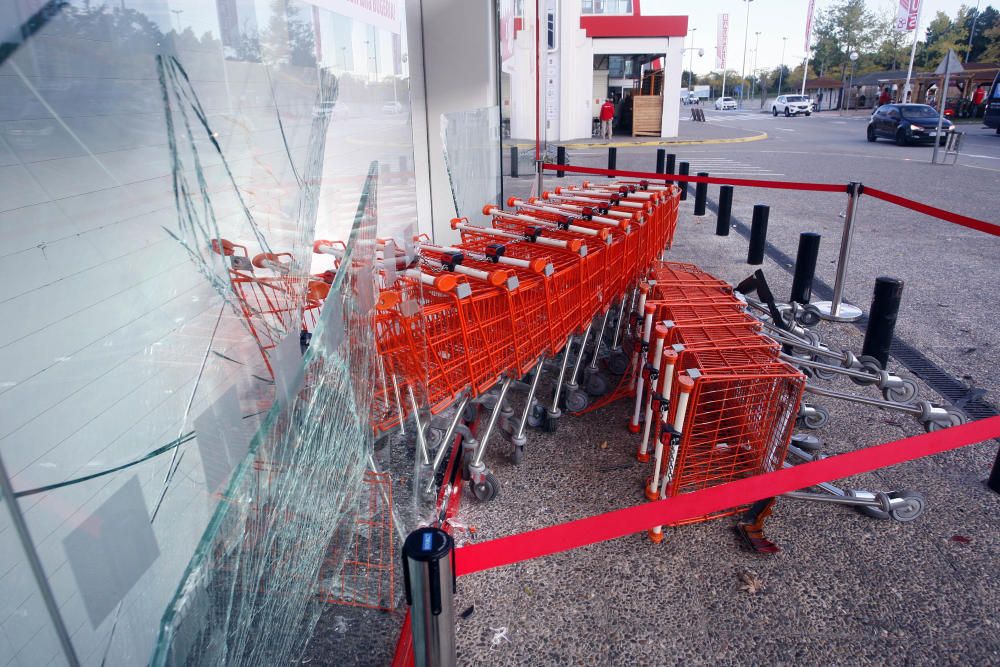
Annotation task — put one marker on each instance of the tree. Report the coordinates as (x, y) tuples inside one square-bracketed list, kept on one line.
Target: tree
[(943, 34), (986, 22), (991, 54), (845, 26)]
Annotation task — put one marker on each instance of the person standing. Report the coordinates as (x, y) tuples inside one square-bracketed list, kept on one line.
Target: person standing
[(607, 116), (978, 98), (885, 97)]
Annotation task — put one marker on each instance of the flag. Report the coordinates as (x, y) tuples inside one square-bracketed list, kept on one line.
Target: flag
[(906, 15), (722, 41), (809, 23)]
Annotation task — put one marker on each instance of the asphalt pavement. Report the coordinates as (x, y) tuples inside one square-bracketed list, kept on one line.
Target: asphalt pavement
[(845, 588)]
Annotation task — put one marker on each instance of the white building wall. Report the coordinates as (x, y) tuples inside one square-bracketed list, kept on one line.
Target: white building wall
[(673, 66), (576, 80)]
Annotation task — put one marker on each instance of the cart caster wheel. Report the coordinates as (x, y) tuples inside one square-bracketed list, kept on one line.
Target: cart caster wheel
[(913, 508), (434, 436), (903, 394), (550, 424), (869, 365), (871, 512), (536, 417), (597, 385), (487, 489), (816, 419), (954, 419), (576, 400), (470, 412), (517, 455), (618, 363), (809, 317), (822, 374)]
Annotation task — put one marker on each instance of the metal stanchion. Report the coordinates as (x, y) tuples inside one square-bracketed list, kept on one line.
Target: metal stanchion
[(671, 163), (429, 578), (700, 195), (758, 234), (513, 162), (538, 175), (612, 158), (560, 159), (725, 210), (805, 267), (882, 318), (661, 156), (836, 310), (683, 169), (994, 481)]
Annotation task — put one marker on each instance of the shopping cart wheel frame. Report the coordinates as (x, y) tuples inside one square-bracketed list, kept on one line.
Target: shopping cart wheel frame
[(955, 418), (618, 362), (550, 424), (915, 504), (902, 394), (576, 400), (868, 365), (596, 384), (486, 489), (816, 418)]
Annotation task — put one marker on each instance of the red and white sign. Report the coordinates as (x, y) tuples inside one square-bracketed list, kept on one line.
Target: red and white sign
[(906, 15), (722, 41), (809, 23), (386, 14)]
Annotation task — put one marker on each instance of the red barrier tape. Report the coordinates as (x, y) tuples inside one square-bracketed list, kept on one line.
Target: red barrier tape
[(746, 182), (603, 527), (958, 219)]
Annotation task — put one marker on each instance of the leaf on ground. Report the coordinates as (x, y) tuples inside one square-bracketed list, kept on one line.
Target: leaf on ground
[(752, 584), (961, 539)]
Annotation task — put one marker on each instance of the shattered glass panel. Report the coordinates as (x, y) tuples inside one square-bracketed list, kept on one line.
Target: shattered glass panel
[(471, 142), (185, 381)]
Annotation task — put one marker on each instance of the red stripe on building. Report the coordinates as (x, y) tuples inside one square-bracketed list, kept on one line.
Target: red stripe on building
[(634, 26)]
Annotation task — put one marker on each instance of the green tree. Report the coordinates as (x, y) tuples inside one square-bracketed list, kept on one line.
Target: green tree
[(843, 27)]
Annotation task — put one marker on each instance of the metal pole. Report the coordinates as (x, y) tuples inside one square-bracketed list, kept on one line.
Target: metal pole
[(538, 178), (836, 310), (430, 581), (743, 67), (944, 97), (21, 527), (781, 68), (972, 32)]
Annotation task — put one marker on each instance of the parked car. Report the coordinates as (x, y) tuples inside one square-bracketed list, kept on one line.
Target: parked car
[(392, 107), (725, 103), (792, 105), (692, 99), (907, 124)]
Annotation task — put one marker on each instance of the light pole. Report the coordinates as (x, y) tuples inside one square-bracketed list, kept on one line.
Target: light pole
[(972, 31), (756, 76), (781, 68), (854, 59), (743, 67), (691, 62)]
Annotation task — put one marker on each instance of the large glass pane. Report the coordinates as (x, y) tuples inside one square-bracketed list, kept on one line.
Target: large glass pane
[(471, 142), (185, 413)]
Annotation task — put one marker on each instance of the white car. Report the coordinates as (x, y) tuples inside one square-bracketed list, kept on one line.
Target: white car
[(724, 103), (792, 105)]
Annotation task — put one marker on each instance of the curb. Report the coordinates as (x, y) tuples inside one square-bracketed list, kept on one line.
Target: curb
[(663, 142)]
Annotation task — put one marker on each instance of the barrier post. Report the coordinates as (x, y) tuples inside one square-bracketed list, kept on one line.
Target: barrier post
[(805, 267), (994, 481), (429, 578), (671, 163), (836, 310), (513, 162), (560, 159), (539, 164), (758, 233), (882, 318), (725, 210), (612, 157), (661, 156), (700, 195), (683, 169)]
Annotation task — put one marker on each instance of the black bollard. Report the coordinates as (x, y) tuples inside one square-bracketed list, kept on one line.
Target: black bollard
[(994, 480), (683, 169), (671, 162), (612, 157), (758, 234), (513, 161), (882, 318), (700, 195), (725, 210), (560, 159), (661, 156), (805, 267)]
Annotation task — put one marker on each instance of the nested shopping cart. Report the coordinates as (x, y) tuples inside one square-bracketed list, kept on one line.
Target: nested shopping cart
[(735, 419)]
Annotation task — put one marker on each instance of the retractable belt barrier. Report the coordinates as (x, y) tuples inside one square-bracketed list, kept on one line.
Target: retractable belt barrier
[(619, 523), (926, 209)]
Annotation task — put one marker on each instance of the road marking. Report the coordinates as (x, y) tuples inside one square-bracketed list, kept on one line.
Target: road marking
[(667, 142), (983, 157)]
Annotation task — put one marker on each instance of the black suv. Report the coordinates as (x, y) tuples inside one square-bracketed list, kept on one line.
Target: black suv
[(907, 124)]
